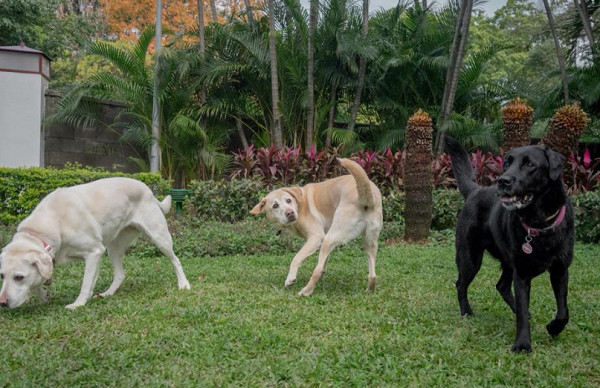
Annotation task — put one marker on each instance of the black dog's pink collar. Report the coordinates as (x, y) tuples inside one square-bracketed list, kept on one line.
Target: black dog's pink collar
[(536, 232)]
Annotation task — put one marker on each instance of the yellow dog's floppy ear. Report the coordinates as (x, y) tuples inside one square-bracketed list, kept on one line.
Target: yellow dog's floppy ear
[(44, 265), (259, 208)]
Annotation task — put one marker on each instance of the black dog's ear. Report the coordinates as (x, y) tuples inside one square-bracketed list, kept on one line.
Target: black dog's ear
[(555, 163)]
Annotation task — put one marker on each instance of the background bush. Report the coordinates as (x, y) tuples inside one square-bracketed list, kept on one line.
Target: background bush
[(21, 189), (214, 206)]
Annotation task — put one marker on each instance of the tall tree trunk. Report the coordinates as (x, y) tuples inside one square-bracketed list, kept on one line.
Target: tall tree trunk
[(250, 13), (562, 63), (310, 119), (457, 53), (362, 66), (587, 24), (276, 132), (213, 9), (332, 109), (461, 32), (201, 43), (240, 129), (155, 148)]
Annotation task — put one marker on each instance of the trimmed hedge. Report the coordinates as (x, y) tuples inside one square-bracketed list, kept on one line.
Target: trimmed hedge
[(21, 189)]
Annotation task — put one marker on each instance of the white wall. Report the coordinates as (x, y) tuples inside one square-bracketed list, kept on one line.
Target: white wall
[(21, 107)]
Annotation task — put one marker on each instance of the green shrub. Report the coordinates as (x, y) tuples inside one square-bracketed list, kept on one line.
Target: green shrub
[(228, 201), (446, 205), (21, 189), (587, 216)]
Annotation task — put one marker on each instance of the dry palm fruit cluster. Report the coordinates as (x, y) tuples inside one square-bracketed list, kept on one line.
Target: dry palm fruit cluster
[(517, 117), (566, 127), (418, 180)]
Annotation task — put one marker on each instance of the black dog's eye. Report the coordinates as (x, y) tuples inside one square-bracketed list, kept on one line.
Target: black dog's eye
[(275, 205), (288, 200), (18, 278), (530, 165)]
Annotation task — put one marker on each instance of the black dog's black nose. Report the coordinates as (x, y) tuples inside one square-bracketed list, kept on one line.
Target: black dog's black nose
[(504, 182)]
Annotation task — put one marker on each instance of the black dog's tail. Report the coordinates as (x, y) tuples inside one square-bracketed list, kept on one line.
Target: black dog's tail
[(461, 165)]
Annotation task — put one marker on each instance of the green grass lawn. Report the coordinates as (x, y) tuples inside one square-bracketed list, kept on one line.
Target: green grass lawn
[(238, 326)]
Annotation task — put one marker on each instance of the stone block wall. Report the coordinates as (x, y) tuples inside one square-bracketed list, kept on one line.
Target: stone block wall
[(96, 146)]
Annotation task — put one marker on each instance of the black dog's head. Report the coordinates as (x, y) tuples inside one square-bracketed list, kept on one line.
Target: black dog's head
[(528, 171)]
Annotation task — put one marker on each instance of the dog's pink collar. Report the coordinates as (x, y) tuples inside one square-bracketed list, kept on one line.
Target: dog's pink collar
[(47, 247), (536, 232)]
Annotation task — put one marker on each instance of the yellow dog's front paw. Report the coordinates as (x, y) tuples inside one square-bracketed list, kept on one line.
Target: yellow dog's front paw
[(305, 292)]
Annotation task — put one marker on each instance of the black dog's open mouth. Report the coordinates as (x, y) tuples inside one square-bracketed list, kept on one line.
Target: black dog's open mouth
[(515, 201)]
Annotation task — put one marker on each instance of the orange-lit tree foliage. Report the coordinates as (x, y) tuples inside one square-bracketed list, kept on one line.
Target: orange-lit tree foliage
[(126, 18)]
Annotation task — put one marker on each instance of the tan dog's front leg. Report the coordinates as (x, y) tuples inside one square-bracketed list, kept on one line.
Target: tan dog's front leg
[(326, 249), (312, 244)]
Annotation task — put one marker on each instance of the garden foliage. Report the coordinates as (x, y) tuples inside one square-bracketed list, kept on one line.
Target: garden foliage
[(21, 189), (257, 171)]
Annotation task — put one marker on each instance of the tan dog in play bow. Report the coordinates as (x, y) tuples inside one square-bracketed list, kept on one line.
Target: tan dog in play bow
[(328, 214)]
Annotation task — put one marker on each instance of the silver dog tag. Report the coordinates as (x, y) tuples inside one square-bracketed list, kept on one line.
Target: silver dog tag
[(526, 247)]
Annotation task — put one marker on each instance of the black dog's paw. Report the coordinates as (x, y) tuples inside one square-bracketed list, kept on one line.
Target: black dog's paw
[(556, 326), (521, 347)]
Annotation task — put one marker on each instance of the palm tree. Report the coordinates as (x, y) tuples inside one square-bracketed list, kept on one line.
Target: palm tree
[(131, 80)]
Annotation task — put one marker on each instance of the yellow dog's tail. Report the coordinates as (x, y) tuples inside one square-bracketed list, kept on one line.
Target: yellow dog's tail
[(363, 184)]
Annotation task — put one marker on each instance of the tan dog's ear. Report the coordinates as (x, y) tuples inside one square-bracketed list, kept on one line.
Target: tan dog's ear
[(295, 192), (44, 265), (259, 208)]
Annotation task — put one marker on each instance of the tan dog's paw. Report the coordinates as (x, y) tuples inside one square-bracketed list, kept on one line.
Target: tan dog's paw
[(305, 292), (290, 281)]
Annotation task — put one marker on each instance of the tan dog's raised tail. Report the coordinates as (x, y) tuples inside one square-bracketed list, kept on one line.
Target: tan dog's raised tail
[(328, 214)]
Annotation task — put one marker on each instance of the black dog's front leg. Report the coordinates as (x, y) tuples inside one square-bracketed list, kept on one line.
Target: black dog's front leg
[(560, 281), (522, 289)]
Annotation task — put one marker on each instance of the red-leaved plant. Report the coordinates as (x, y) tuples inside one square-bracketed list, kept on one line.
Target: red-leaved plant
[(581, 174), (289, 166)]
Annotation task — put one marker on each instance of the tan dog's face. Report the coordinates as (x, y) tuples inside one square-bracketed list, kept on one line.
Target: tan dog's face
[(22, 270), (279, 206)]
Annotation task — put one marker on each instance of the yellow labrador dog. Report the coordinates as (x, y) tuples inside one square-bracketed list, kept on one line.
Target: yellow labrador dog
[(328, 214), (81, 223)]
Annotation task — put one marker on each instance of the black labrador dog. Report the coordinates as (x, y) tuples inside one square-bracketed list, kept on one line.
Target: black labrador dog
[(526, 221)]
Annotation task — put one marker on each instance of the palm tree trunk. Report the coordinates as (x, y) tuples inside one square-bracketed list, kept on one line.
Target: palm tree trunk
[(361, 68), (310, 120), (451, 62), (249, 13), (587, 24), (456, 57), (332, 109), (418, 180), (240, 129), (562, 63), (213, 9), (155, 148), (201, 43), (276, 134)]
